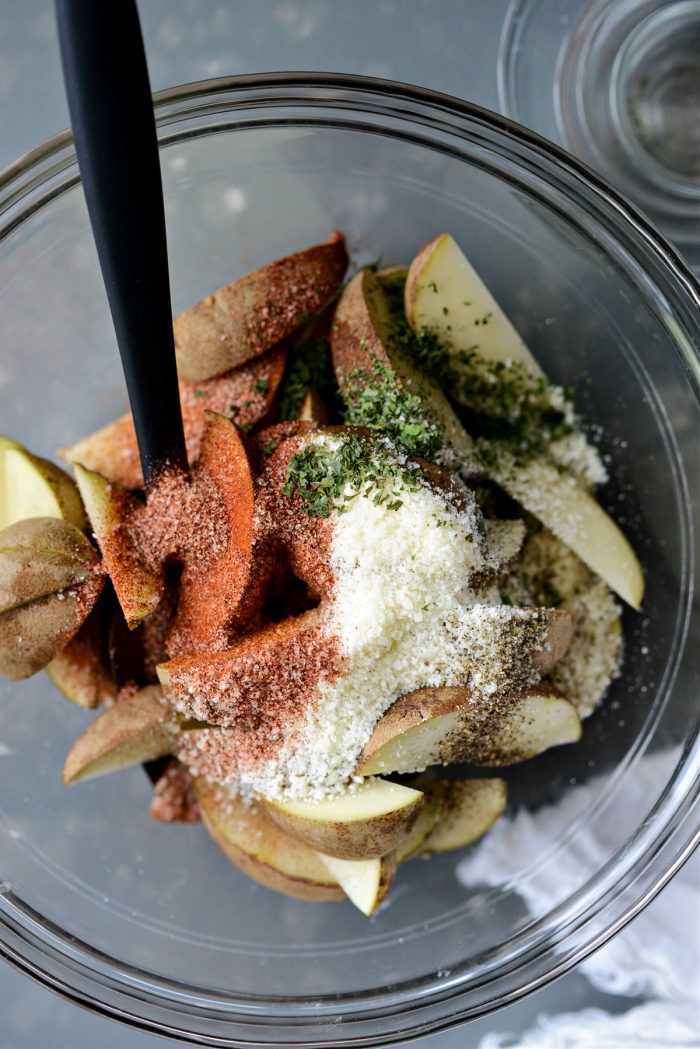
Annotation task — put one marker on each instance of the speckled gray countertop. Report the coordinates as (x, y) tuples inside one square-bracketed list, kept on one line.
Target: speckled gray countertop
[(449, 45)]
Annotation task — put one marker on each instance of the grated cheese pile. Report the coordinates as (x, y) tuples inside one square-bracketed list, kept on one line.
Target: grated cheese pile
[(407, 617)]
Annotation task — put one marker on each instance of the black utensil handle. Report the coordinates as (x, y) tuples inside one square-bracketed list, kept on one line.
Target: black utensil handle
[(109, 98)]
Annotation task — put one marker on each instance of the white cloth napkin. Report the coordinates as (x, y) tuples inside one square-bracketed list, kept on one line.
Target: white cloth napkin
[(657, 955)]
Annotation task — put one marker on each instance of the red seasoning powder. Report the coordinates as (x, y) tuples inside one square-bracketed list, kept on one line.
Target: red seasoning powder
[(260, 688)]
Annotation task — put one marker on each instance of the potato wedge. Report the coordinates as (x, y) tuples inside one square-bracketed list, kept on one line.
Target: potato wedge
[(446, 726), (247, 394), (249, 316), (34, 487), (445, 294), (574, 516), (80, 670), (216, 598), (41, 556), (137, 729), (50, 580), (370, 820), (434, 794), (364, 882), (361, 342), (249, 838), (470, 808), (138, 585)]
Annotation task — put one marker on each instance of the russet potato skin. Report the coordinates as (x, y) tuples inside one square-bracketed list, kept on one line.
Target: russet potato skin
[(266, 875), (469, 809), (247, 317), (247, 836), (140, 728), (355, 342), (50, 580)]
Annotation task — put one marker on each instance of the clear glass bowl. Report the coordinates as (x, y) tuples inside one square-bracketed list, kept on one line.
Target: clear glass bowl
[(149, 923)]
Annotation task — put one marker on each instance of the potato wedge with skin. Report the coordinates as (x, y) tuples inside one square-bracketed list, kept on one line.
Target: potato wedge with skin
[(41, 556), (32, 635), (370, 820), (247, 395), (138, 585), (256, 845), (249, 316), (446, 726), (428, 818), (80, 671), (361, 341), (250, 669), (364, 882), (446, 295), (135, 730), (34, 487), (575, 517), (470, 809), (443, 290), (50, 579), (217, 596)]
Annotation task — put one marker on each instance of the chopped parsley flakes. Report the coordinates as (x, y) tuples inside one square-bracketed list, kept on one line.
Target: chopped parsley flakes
[(379, 403), (327, 476), (309, 367)]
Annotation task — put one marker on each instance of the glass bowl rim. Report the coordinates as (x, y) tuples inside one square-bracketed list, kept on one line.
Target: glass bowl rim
[(434, 1005)]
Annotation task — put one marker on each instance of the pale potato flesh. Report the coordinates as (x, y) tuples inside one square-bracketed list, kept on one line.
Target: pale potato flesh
[(34, 487), (134, 730), (446, 726), (370, 819), (470, 808), (445, 294), (364, 882)]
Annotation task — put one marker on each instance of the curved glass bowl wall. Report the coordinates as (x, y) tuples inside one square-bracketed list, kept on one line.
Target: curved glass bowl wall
[(150, 923)]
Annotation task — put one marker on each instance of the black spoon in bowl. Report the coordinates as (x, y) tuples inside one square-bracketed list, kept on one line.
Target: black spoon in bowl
[(111, 108)]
